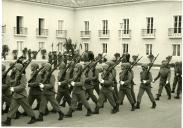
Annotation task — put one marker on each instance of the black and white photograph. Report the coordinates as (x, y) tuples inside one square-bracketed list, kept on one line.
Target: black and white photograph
[(91, 63)]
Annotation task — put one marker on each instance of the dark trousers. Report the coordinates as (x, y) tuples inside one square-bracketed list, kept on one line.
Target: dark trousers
[(133, 93), (141, 92), (127, 92), (167, 88), (16, 103), (65, 95), (32, 98), (175, 81), (91, 95)]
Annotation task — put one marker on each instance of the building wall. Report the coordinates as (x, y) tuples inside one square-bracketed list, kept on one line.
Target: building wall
[(162, 12), (31, 12)]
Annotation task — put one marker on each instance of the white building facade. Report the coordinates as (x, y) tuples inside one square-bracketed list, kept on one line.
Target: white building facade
[(138, 27)]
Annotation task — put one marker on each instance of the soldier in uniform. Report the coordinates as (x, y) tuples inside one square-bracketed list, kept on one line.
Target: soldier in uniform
[(132, 89), (34, 91), (63, 88), (146, 79), (179, 75), (78, 93), (6, 95), (19, 97), (106, 91), (164, 75), (176, 76), (48, 93), (125, 77)]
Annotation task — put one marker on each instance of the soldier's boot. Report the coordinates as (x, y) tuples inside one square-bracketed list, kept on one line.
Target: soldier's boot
[(96, 110), (40, 118), (173, 90), (115, 109), (79, 108), (153, 105), (7, 122), (33, 120), (137, 105), (177, 97), (69, 113), (89, 112), (61, 115), (133, 107), (169, 96), (157, 98)]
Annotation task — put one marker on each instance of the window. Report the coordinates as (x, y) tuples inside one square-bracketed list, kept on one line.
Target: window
[(19, 24), (86, 46), (126, 26), (177, 24), (60, 24), (104, 48), (105, 26), (176, 49), (19, 45), (41, 45), (125, 48), (41, 26), (59, 46), (148, 49), (86, 25), (149, 25)]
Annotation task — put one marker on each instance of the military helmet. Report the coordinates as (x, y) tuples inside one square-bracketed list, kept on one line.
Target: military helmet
[(144, 66), (18, 66), (3, 67), (35, 65)]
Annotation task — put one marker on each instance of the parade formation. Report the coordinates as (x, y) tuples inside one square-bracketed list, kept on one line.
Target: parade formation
[(79, 80)]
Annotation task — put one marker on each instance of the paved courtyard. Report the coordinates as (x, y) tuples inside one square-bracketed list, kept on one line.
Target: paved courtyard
[(166, 115)]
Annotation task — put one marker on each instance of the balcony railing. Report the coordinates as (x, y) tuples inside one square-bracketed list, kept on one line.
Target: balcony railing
[(148, 33), (104, 34), (20, 31), (175, 33), (61, 33), (4, 29), (85, 34), (42, 32), (125, 34)]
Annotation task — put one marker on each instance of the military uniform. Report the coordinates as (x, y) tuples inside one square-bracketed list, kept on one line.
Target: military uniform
[(176, 76), (132, 89), (19, 97), (106, 91), (34, 91), (78, 93), (63, 88), (48, 94), (146, 79), (125, 78), (6, 95), (179, 75), (164, 75)]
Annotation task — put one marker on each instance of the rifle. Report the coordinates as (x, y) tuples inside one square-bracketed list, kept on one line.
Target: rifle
[(135, 63), (151, 64)]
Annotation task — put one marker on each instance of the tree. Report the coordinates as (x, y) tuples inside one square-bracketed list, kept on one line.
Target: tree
[(5, 50)]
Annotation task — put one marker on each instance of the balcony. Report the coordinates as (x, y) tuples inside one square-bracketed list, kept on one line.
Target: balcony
[(148, 33), (175, 33), (20, 31), (125, 34), (85, 34), (61, 33), (42, 33), (104, 34)]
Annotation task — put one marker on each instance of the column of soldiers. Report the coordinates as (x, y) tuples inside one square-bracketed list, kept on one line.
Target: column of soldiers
[(77, 83)]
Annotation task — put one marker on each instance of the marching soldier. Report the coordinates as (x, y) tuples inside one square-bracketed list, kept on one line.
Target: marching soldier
[(146, 79), (48, 93), (78, 93), (176, 76), (132, 89), (179, 75), (6, 95), (19, 97), (164, 75), (63, 88), (125, 78), (34, 91), (106, 91)]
